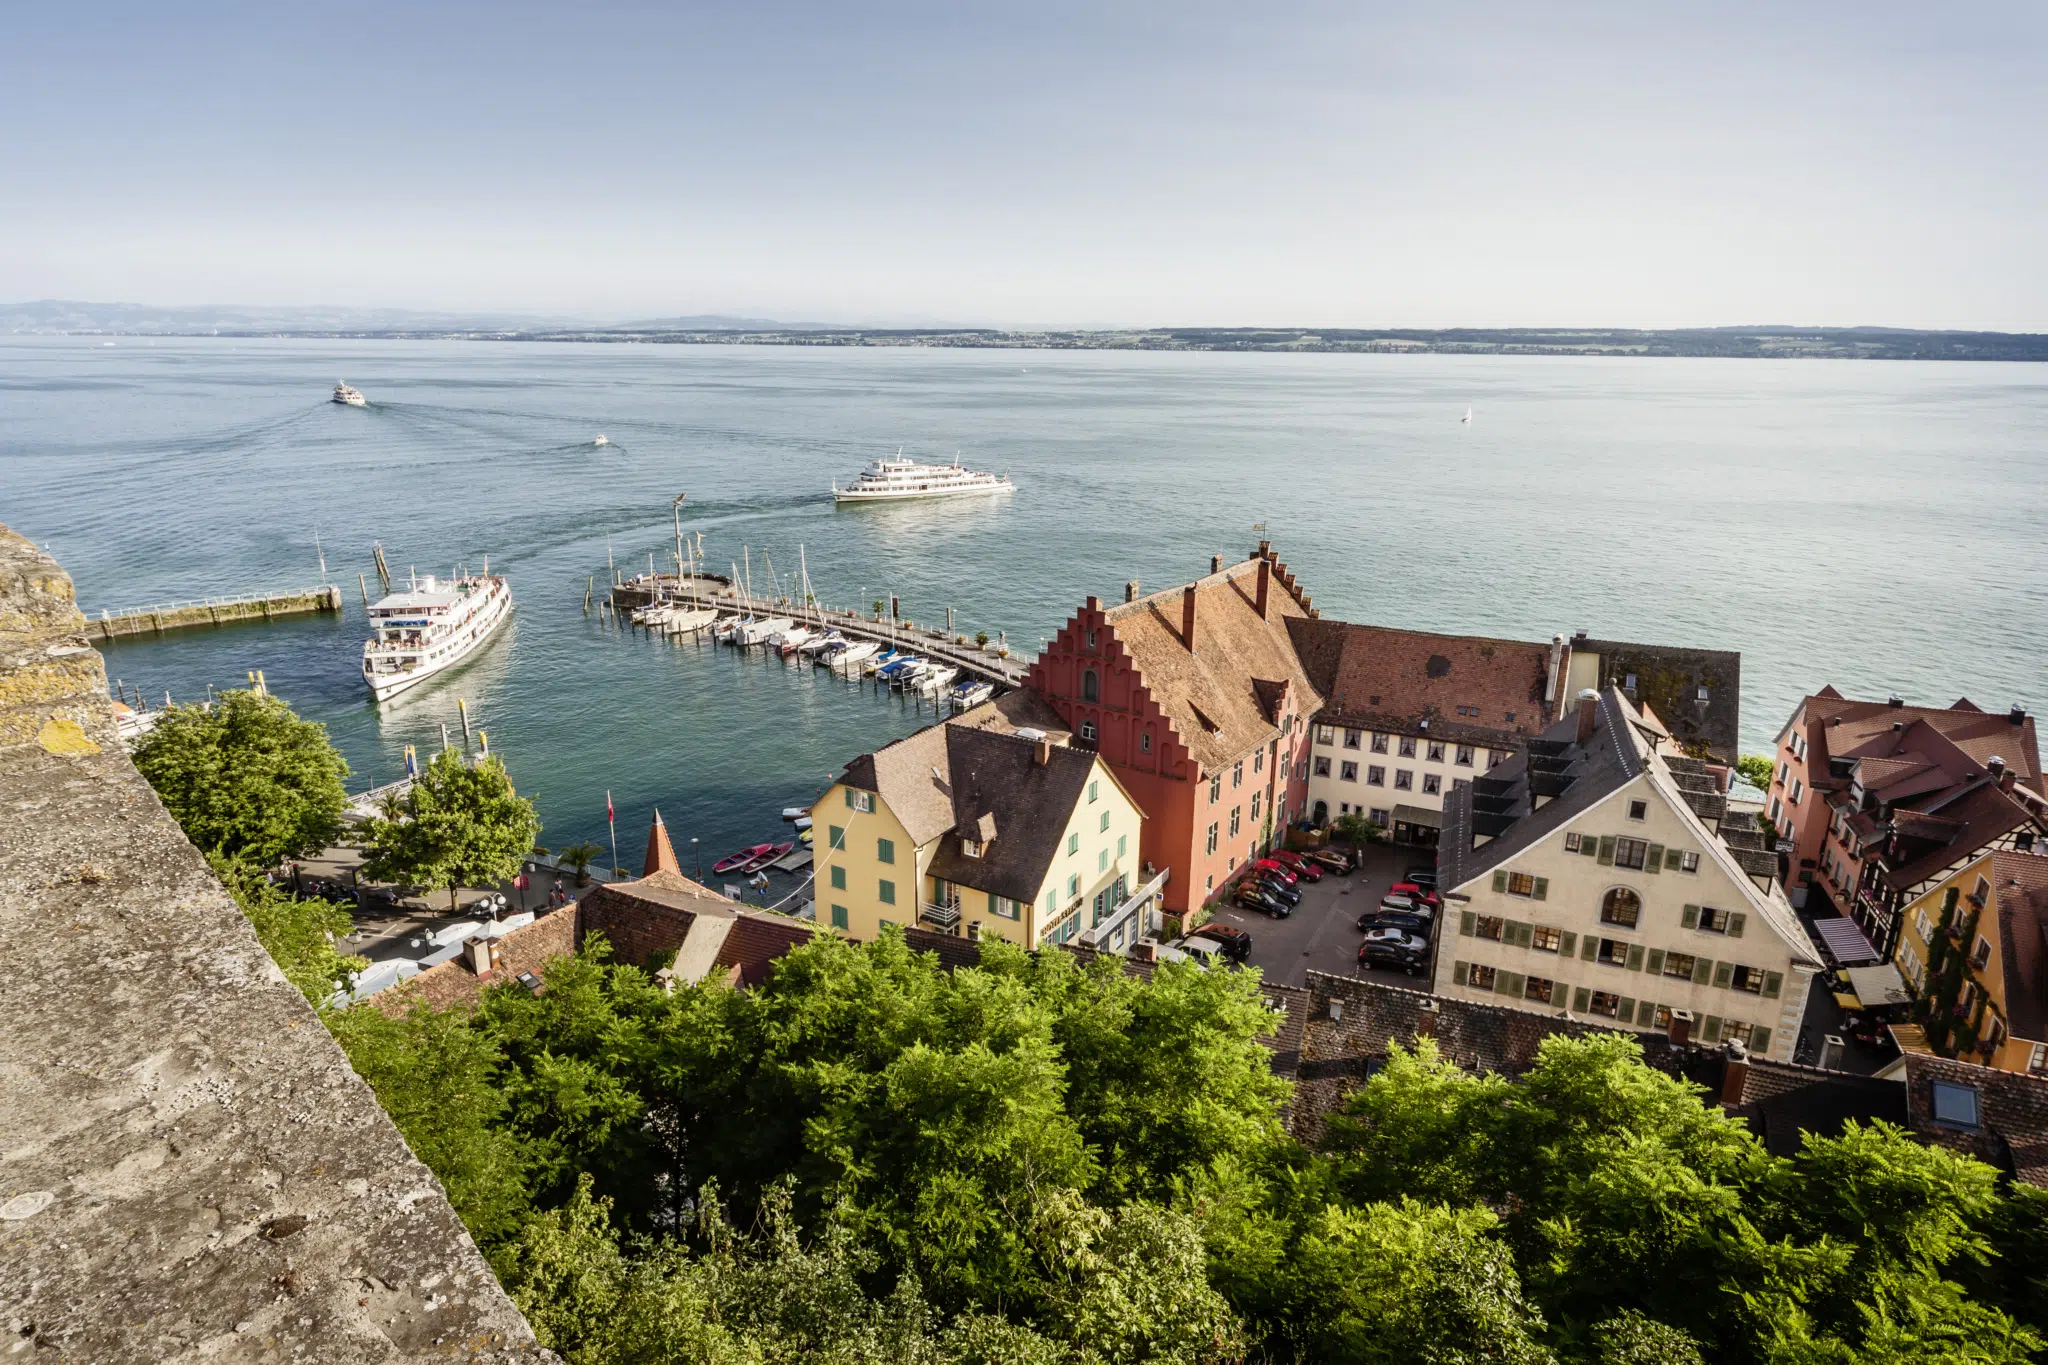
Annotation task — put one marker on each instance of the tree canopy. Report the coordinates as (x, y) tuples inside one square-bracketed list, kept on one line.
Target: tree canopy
[(460, 824), (246, 778), (1046, 1159)]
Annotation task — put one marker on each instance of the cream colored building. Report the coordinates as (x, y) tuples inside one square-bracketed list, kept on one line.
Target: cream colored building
[(1594, 873), (973, 828)]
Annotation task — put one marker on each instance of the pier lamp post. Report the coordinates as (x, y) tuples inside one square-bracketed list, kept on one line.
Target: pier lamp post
[(698, 854)]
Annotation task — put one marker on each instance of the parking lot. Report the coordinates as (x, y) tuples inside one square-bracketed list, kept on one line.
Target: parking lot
[(1322, 933)]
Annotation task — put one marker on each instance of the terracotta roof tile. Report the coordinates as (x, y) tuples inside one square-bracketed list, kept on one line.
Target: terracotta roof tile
[(997, 775), (2019, 887), (1471, 689)]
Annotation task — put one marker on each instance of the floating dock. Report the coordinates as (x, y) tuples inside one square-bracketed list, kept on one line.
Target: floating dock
[(213, 611), (975, 661)]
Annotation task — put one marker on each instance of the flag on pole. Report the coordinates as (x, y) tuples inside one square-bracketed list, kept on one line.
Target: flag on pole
[(611, 817)]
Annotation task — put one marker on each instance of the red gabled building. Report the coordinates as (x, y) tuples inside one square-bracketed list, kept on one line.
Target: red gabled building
[(1196, 698)]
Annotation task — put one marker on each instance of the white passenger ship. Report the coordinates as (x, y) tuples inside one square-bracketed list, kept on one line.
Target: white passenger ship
[(352, 397), (886, 480), (430, 627)]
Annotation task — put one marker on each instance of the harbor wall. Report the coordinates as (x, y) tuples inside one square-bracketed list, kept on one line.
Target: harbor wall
[(212, 612)]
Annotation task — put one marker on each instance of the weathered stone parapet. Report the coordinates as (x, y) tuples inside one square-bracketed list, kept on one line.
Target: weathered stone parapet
[(189, 1169)]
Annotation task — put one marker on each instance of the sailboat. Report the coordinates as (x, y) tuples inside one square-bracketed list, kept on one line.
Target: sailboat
[(1467, 418)]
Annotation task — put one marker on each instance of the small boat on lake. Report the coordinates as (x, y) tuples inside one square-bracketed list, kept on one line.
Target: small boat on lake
[(852, 656), (936, 677), (747, 859)]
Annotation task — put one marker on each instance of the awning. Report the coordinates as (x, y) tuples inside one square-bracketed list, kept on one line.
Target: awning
[(1419, 815), (1879, 985), (1847, 1001), (1845, 942)]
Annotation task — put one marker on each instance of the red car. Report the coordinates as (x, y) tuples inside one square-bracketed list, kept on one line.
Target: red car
[(1279, 870), (1425, 895), (1299, 866)]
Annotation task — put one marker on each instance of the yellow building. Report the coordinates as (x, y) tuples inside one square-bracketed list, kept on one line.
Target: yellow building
[(973, 827), (1972, 949)]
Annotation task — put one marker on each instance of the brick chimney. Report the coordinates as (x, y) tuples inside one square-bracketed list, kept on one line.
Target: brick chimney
[(1735, 1079), (2018, 714), (1187, 617), (2006, 776), (1131, 591), (1681, 1027), (1042, 752), (1215, 563), (1425, 1022), (1265, 586), (1589, 714)]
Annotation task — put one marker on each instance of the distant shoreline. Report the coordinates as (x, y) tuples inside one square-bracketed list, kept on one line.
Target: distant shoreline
[(1758, 343)]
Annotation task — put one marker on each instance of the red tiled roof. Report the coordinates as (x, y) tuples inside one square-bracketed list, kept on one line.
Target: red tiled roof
[(755, 941), (1468, 687), (661, 855), (2019, 888)]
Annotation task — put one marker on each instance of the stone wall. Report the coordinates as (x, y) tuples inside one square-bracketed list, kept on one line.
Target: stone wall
[(188, 1166)]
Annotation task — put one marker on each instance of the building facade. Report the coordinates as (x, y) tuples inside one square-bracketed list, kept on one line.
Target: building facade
[(1195, 698), (970, 828), (1876, 803), (1407, 714), (1593, 873), (1971, 949)]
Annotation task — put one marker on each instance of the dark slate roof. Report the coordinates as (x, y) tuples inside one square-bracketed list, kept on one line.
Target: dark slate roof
[(1597, 769), (1668, 679), (2012, 1132), (1378, 678), (994, 774), (2019, 888), (1782, 1102)]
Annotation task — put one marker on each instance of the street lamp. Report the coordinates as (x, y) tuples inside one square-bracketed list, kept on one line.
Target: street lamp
[(698, 854)]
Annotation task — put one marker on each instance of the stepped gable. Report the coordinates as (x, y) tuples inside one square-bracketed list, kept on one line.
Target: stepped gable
[(1668, 680), (191, 1166), (1209, 693), (1464, 689), (1016, 796)]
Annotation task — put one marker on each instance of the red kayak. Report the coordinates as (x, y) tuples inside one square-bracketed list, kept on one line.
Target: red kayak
[(747, 859), (772, 852)]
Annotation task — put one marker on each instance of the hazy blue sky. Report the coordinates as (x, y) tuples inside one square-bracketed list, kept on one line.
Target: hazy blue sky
[(1346, 164)]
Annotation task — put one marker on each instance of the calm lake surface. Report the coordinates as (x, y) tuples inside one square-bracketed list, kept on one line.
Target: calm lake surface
[(1874, 525)]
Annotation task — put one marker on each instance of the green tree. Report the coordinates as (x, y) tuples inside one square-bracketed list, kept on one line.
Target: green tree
[(580, 857), (299, 935), (246, 779), (1757, 770), (463, 825)]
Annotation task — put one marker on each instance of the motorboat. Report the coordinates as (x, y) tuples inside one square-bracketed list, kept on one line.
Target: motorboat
[(747, 859), (793, 639), (856, 652), (349, 397), (602, 440), (875, 664), (898, 479), (972, 693), (431, 627), (726, 627), (686, 620), (908, 675), (759, 631), (897, 667), (936, 677), (818, 644)]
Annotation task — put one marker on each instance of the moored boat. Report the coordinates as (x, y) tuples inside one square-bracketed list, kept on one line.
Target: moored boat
[(756, 632), (746, 859), (971, 693)]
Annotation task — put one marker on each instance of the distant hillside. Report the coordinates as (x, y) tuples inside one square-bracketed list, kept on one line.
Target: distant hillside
[(1771, 342)]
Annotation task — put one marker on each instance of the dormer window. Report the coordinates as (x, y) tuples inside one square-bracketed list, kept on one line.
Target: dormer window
[(970, 848)]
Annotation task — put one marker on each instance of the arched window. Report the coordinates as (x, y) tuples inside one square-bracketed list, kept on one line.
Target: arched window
[(1621, 906), (1091, 686)]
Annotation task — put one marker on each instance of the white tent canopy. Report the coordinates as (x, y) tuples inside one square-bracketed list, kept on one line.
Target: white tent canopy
[(1879, 985)]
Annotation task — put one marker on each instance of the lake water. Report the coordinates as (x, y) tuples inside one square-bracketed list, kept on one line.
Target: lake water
[(1875, 525)]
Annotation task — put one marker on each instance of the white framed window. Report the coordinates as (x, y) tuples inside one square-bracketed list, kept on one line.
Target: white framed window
[(1088, 731)]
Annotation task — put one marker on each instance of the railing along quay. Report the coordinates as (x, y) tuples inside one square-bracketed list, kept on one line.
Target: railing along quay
[(970, 659), (213, 611)]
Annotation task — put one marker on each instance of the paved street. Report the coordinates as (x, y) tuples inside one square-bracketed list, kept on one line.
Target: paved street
[(1322, 933)]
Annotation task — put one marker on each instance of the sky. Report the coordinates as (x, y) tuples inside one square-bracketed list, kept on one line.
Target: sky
[(1040, 164)]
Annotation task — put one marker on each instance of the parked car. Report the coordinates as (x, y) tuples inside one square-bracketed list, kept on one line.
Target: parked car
[(1277, 869), (1273, 886), (1421, 876), (1407, 903), (1389, 955), (1331, 858), (1399, 938), (1299, 866), (1424, 894), (1206, 951), (1394, 919), (1235, 943), (1252, 898)]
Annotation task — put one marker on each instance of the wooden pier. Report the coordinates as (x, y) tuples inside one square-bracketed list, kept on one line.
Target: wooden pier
[(973, 660), (213, 611)]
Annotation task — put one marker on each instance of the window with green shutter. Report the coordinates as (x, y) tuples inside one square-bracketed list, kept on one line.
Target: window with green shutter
[(885, 850), (1710, 1031), (838, 917), (1542, 888), (1654, 963), (1702, 970), (1590, 950), (1568, 944), (1626, 1011), (1500, 880), (1607, 850), (1735, 923), (1773, 983), (887, 891), (1525, 935), (1582, 999), (1653, 861), (1589, 846), (1689, 918), (1466, 919), (838, 879), (1458, 973), (1501, 983), (1759, 1040), (1724, 972), (1635, 957), (1672, 858)]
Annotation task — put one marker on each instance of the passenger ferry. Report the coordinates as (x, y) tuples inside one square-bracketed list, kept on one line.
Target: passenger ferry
[(430, 627), (352, 397), (888, 480)]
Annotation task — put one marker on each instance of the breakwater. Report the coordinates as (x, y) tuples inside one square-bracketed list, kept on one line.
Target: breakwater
[(212, 611)]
